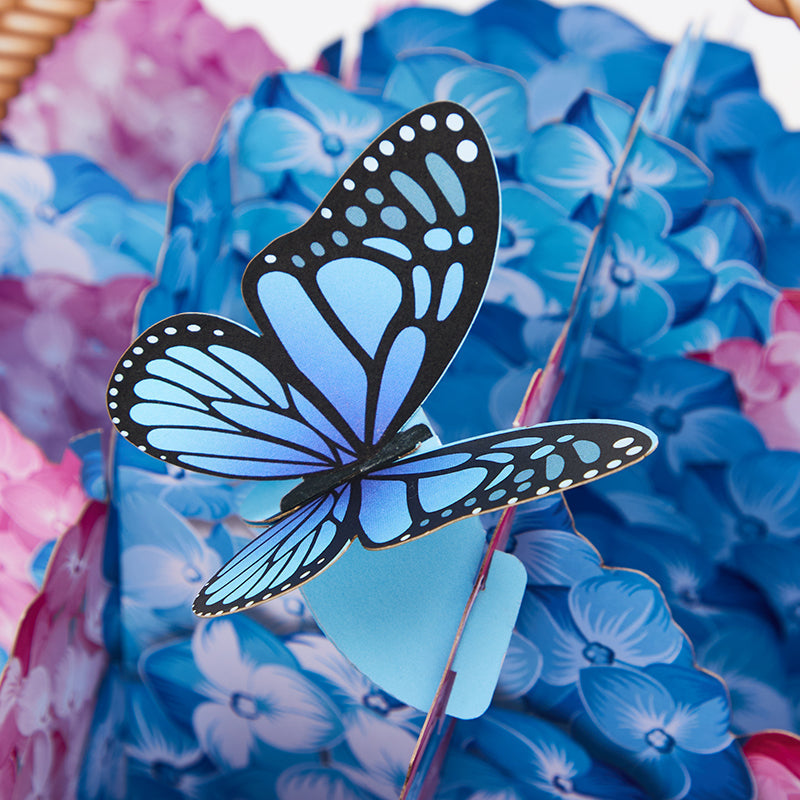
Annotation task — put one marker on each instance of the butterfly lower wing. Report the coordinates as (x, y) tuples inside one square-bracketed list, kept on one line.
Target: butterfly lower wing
[(291, 552), (197, 391), (370, 299), (490, 472)]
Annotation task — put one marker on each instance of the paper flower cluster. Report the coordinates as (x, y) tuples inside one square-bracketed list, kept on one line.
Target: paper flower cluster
[(39, 500), (76, 251), (49, 693), (139, 87), (681, 329)]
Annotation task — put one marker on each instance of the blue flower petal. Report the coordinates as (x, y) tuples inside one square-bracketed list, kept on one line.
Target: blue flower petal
[(555, 558), (701, 720), (724, 774), (597, 31), (565, 163), (625, 613), (521, 668), (534, 751), (628, 706), (605, 119), (556, 636)]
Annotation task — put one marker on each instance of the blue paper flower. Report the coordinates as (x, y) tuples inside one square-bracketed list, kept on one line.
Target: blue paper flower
[(527, 212), (570, 161), (309, 127), (249, 702), (753, 499), (164, 561), (726, 241), (496, 97), (692, 408), (615, 618), (774, 566), (102, 773), (544, 759), (555, 558), (755, 675), (652, 719), (776, 205), (93, 230), (354, 693), (164, 762), (599, 50), (410, 30), (242, 694), (724, 112), (191, 494), (643, 284)]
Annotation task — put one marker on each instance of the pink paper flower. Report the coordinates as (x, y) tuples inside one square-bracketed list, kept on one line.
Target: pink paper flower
[(768, 377), (59, 341), (38, 502), (139, 86), (774, 759), (48, 689)]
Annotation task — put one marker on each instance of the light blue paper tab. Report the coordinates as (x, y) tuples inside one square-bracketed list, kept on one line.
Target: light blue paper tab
[(394, 613)]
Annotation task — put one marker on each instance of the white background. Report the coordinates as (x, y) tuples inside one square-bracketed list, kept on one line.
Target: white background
[(298, 29)]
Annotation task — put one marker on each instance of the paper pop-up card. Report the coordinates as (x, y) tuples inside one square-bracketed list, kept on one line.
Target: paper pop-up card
[(490, 258)]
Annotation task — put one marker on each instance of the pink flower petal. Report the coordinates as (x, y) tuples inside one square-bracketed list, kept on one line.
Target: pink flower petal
[(103, 90), (786, 312), (19, 457), (774, 759)]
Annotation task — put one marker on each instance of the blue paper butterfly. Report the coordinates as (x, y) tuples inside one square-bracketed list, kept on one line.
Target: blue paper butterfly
[(361, 310)]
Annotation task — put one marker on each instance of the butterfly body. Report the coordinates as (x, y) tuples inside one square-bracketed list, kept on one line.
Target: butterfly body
[(360, 310), (312, 486)]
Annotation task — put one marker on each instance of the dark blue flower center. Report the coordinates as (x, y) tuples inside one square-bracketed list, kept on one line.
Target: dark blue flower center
[(669, 420), (294, 607), (245, 705), (596, 653), (332, 144), (562, 783), (698, 106), (689, 597), (46, 212), (507, 237), (751, 527), (191, 574), (164, 773), (623, 275), (777, 217), (377, 700), (660, 740)]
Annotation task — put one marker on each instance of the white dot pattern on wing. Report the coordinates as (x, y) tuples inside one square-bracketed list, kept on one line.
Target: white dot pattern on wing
[(127, 363), (390, 216)]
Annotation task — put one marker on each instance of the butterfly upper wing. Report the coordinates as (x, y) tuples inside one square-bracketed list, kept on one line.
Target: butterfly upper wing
[(369, 300), (419, 494), (361, 309), (291, 552), (200, 392)]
